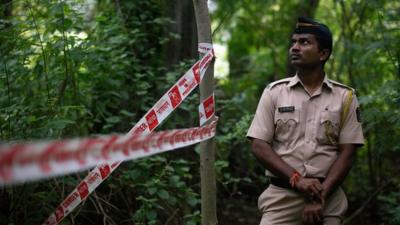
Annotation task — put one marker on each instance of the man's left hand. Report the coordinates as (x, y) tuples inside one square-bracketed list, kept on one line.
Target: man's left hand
[(310, 186)]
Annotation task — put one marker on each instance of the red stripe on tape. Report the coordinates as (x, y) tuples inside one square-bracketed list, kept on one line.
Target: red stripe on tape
[(172, 138), (125, 148), (86, 145), (92, 178), (187, 84), (160, 139), (107, 147), (206, 61), (59, 213), (196, 72), (7, 160), (175, 96), (145, 144), (104, 171), (151, 119), (141, 128), (45, 156), (164, 106), (69, 200), (209, 106), (83, 190)]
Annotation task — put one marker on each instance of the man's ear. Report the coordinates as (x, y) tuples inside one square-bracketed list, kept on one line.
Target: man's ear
[(324, 54)]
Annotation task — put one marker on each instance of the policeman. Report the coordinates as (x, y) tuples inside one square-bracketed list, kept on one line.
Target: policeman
[(305, 132)]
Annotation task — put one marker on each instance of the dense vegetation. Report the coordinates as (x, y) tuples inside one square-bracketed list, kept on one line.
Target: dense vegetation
[(79, 68)]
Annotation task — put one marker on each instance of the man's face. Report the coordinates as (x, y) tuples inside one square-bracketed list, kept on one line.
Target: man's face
[(304, 51)]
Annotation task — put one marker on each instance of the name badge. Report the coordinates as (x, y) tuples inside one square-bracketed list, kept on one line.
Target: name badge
[(286, 109)]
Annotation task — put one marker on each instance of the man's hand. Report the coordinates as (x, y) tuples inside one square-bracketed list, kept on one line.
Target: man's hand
[(311, 187), (313, 213)]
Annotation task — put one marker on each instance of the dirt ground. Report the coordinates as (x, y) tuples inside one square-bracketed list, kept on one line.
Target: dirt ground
[(239, 210)]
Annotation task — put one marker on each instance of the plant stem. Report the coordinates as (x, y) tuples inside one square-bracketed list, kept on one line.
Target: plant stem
[(65, 52), (9, 101), (45, 64)]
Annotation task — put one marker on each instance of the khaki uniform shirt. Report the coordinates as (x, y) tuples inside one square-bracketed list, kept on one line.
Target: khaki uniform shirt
[(303, 129)]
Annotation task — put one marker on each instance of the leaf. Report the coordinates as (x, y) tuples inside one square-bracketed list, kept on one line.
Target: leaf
[(163, 194), (247, 179), (67, 23), (60, 123), (152, 190), (113, 119), (192, 201), (31, 118), (151, 215), (172, 200), (126, 113), (174, 179)]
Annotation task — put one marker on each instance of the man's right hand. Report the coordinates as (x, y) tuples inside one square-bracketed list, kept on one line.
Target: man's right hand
[(311, 187), (313, 213)]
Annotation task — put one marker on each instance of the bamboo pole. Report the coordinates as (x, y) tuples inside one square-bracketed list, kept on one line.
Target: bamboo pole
[(207, 148)]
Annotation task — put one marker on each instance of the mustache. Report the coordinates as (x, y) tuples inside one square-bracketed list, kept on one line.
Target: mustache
[(294, 55)]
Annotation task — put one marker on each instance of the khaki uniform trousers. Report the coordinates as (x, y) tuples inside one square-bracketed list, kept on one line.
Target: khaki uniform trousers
[(281, 206)]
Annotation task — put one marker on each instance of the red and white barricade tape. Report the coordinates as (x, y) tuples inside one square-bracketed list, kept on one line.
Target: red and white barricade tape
[(38, 160), (32, 161), (206, 109), (165, 106)]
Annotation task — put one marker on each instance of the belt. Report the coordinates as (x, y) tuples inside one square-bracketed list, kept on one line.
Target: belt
[(284, 183)]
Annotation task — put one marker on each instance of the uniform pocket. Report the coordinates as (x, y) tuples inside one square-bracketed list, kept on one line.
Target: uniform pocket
[(328, 129), (285, 125)]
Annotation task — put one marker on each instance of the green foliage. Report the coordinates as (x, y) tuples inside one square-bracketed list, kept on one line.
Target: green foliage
[(66, 72), (391, 208), (167, 196)]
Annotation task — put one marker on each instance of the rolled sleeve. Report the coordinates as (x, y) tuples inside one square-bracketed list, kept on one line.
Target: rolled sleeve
[(262, 126), (351, 132)]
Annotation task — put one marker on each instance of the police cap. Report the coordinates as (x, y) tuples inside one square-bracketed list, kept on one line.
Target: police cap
[(321, 31)]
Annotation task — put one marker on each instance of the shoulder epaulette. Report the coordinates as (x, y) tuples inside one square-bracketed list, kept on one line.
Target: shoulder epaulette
[(281, 81), (342, 85)]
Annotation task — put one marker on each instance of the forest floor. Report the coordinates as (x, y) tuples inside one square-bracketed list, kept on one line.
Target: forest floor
[(238, 210)]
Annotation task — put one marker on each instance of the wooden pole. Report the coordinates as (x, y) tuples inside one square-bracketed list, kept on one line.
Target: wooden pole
[(207, 148)]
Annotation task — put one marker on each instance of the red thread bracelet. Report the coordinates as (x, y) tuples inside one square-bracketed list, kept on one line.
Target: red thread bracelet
[(294, 178)]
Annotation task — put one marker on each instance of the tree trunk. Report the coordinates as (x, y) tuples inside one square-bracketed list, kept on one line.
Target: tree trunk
[(207, 148), (184, 24), (6, 6), (306, 8), (6, 11)]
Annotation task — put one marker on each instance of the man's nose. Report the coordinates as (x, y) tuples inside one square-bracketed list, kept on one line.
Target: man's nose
[(294, 47)]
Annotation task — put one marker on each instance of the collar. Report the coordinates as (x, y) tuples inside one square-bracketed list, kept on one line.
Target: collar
[(296, 80), (327, 82)]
